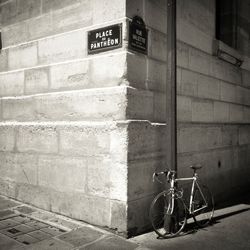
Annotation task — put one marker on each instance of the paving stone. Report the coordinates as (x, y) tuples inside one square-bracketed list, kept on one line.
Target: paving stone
[(81, 236), (7, 243), (36, 225), (111, 243), (42, 216), (22, 219), (8, 223), (5, 214), (25, 210), (5, 204), (53, 231), (26, 239), (40, 235), (17, 230), (65, 223), (51, 244)]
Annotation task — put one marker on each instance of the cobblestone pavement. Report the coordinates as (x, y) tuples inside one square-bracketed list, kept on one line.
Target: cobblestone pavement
[(24, 227)]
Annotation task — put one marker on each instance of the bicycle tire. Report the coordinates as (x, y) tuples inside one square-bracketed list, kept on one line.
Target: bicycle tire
[(165, 223), (204, 216)]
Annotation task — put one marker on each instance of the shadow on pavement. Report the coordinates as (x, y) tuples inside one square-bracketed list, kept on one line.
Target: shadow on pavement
[(192, 228)]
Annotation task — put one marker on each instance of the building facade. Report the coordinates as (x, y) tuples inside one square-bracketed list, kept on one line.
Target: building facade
[(82, 133)]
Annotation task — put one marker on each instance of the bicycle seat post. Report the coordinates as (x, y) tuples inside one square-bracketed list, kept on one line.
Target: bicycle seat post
[(195, 167)]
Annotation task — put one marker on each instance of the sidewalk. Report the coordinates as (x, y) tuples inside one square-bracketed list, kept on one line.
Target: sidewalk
[(24, 227)]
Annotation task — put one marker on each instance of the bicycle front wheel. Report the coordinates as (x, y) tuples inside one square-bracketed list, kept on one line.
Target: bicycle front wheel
[(167, 215), (203, 205)]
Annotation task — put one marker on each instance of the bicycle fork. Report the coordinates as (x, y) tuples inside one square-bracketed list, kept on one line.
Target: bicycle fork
[(171, 214)]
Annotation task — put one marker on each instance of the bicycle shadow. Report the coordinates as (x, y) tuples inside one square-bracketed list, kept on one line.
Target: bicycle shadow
[(192, 228)]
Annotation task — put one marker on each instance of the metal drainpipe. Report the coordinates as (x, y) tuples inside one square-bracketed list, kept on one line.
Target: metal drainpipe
[(171, 109)]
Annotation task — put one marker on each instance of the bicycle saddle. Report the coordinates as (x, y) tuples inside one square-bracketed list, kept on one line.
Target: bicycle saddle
[(196, 166)]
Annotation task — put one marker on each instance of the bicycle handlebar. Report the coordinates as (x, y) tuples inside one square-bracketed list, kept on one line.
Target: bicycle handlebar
[(167, 173)]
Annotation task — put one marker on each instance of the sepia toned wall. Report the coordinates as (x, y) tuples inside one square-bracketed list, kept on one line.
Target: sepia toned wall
[(81, 135), (63, 130), (213, 99)]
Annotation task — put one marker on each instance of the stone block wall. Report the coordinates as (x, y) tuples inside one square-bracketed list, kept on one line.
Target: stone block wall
[(63, 129), (213, 103), (212, 107), (81, 134)]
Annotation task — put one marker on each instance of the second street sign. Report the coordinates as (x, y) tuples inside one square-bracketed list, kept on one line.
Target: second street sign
[(104, 39), (138, 35)]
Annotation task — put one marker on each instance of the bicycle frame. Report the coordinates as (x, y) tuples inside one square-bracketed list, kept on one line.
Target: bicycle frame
[(190, 208)]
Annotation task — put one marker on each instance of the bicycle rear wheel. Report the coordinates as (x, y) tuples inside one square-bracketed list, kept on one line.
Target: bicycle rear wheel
[(167, 221), (203, 205)]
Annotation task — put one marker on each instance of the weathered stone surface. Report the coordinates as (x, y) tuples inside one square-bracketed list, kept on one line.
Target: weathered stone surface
[(7, 138), (140, 174), (228, 92), (7, 243), (153, 9), (99, 177), (108, 70), (118, 213), (202, 111), (182, 51), (32, 194), (23, 56), (184, 108), (157, 45), (36, 80), (140, 104), (3, 59), (208, 87), (156, 75), (93, 209), (139, 221), (44, 22), (12, 84), (19, 167), (81, 236), (77, 14), (7, 188), (70, 75), (37, 139), (22, 108), (246, 77), (199, 61), (109, 104), (192, 35), (16, 11), (51, 244), (159, 110), (235, 113), (106, 10), (145, 139), (221, 112), (9, 34), (204, 18), (85, 141), (244, 135), (134, 8), (64, 47), (6, 204), (111, 243), (188, 83), (195, 138), (246, 114), (54, 171)]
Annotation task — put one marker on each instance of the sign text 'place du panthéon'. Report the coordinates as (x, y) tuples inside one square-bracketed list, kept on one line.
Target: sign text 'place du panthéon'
[(106, 38)]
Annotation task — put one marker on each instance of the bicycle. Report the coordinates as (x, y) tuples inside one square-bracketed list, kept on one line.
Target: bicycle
[(169, 212)]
